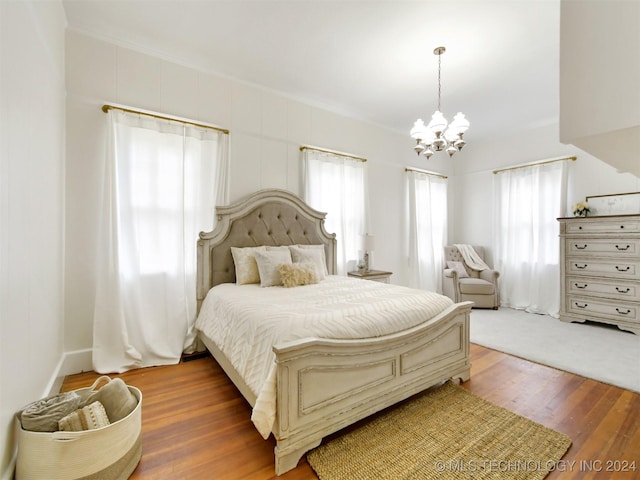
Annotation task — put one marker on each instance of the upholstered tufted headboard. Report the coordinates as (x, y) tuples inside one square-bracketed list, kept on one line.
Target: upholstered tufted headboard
[(267, 217)]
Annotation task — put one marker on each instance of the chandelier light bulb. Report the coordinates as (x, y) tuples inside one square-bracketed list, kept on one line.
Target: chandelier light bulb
[(436, 136)]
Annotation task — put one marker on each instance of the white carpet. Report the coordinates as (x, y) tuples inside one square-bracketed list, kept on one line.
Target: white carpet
[(597, 351)]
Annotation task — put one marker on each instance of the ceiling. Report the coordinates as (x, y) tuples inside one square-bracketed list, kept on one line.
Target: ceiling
[(372, 60)]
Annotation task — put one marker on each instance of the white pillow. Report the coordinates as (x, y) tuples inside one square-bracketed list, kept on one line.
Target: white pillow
[(324, 258), (271, 248), (458, 267), (269, 263), (310, 255), (246, 266)]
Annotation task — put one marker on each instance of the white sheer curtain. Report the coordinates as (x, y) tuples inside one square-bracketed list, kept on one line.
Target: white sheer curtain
[(528, 202), (336, 184), (163, 180), (427, 206)]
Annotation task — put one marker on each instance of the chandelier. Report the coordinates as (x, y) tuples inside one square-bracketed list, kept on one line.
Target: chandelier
[(436, 137)]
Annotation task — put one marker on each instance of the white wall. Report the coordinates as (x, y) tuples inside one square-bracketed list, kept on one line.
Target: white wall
[(267, 130), (32, 133), (599, 79), (473, 183)]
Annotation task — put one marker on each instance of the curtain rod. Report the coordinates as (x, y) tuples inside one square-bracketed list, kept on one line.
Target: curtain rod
[(410, 169), (333, 152), (535, 164), (107, 107)]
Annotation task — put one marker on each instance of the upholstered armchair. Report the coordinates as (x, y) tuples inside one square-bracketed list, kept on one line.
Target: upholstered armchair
[(461, 283)]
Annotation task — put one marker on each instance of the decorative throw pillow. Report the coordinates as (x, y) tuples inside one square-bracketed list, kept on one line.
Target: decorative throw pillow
[(458, 267), (297, 274), (269, 263), (309, 255), (245, 263)]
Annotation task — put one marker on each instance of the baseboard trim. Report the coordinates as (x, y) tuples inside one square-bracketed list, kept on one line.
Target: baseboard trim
[(76, 361)]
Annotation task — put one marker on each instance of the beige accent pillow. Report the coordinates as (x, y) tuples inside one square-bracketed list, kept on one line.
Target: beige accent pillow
[(297, 274), (458, 267), (245, 263), (269, 263), (310, 255)]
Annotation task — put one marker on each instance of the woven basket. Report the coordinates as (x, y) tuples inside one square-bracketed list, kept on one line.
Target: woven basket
[(108, 453)]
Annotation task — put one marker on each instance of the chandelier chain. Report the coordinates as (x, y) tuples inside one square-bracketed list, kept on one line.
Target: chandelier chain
[(439, 82)]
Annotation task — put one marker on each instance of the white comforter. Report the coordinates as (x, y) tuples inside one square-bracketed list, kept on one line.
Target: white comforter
[(245, 321)]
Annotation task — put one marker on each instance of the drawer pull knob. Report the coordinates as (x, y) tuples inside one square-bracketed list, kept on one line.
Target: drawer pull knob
[(582, 267), (581, 306), (619, 290), (623, 313), (622, 248), (625, 269), (581, 286), (582, 247)]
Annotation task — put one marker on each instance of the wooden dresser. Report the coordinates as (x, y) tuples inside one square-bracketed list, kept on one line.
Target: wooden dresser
[(600, 270)]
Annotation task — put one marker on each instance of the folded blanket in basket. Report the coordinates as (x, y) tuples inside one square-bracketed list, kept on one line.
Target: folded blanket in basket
[(43, 415), (86, 418), (118, 401)]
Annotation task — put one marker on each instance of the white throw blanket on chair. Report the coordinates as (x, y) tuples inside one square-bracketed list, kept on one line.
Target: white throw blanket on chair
[(471, 258)]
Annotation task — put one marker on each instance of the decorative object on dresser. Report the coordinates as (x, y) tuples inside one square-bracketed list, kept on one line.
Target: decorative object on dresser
[(616, 204), (461, 283), (376, 275), (600, 270), (581, 209)]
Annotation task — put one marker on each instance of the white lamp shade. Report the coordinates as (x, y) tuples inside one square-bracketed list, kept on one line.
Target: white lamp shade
[(368, 242), (438, 123), (416, 131), (460, 124)]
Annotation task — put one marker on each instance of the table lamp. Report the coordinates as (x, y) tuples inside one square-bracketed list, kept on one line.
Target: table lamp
[(367, 248)]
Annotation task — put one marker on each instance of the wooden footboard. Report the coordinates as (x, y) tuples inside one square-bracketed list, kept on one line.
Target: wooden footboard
[(325, 385)]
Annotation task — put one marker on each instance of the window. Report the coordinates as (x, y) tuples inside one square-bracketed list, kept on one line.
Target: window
[(528, 202), (163, 179), (335, 184), (427, 198)]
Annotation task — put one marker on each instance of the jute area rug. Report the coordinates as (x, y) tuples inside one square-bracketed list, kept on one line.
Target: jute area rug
[(445, 433)]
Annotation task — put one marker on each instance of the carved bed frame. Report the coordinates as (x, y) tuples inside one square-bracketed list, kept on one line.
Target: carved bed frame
[(324, 385)]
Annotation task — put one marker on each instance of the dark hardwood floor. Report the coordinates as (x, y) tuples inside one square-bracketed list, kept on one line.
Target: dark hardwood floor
[(196, 425)]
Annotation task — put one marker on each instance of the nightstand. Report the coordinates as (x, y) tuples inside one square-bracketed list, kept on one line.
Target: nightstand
[(375, 275)]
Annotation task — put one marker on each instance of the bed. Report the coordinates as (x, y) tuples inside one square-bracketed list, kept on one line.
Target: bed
[(316, 379)]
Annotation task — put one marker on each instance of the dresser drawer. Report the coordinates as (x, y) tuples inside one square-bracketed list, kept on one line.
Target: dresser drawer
[(603, 226), (602, 308), (622, 268), (599, 287), (589, 246)]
